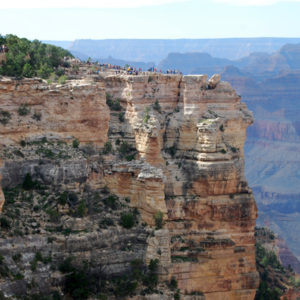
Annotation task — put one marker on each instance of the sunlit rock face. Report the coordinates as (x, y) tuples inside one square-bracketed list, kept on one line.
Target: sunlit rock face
[(171, 144), (64, 111)]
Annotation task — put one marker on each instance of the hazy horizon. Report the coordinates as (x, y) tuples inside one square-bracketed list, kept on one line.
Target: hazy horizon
[(150, 19), (223, 38)]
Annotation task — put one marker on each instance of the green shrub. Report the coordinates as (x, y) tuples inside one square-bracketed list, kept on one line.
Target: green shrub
[(181, 258), (156, 106), (11, 195), (66, 266), (38, 256), (158, 219), (127, 220), (73, 198), (5, 116), (105, 190), (45, 152), (56, 295), (100, 296), (177, 295), (124, 148), (121, 116), (146, 115), (223, 151), (37, 116), (111, 201), (17, 257), (28, 70), (52, 78), (75, 143), (265, 292), (50, 239), (53, 214), (124, 286), (67, 231), (116, 105), (151, 278), (63, 198), (28, 183), (172, 150), (23, 110), (173, 283), (77, 285), (81, 210), (109, 99), (107, 147), (19, 276), (137, 269), (222, 127), (62, 79), (81, 282), (2, 297), (153, 265), (44, 71), (234, 149), (113, 104), (4, 270), (106, 222)]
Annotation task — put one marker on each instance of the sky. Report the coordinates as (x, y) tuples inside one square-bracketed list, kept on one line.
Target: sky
[(167, 19)]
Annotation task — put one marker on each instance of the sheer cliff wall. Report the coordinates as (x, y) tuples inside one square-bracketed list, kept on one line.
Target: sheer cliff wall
[(170, 143)]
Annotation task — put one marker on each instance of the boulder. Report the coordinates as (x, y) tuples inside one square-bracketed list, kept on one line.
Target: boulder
[(214, 80)]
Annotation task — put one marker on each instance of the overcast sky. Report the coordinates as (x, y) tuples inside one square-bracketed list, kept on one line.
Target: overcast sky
[(101, 19)]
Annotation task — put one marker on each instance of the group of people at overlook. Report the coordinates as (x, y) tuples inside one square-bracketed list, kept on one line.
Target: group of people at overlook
[(130, 70)]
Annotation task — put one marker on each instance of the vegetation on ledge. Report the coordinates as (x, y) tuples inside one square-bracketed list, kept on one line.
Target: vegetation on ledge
[(275, 279), (28, 59)]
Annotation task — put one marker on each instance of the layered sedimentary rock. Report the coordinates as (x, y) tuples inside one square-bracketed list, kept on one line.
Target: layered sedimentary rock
[(170, 144), (64, 111)]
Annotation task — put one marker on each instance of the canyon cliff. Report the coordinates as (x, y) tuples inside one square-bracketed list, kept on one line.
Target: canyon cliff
[(272, 151), (165, 148)]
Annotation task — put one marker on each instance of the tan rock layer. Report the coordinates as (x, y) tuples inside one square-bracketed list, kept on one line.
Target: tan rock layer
[(74, 110)]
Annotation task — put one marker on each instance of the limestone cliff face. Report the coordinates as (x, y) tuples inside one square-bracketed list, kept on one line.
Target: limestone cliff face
[(64, 111), (173, 145)]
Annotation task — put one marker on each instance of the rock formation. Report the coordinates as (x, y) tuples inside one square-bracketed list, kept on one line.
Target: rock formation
[(277, 281), (171, 146)]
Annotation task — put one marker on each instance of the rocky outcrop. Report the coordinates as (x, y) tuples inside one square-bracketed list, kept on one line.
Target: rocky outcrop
[(214, 80), (170, 146), (277, 279), (56, 111)]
